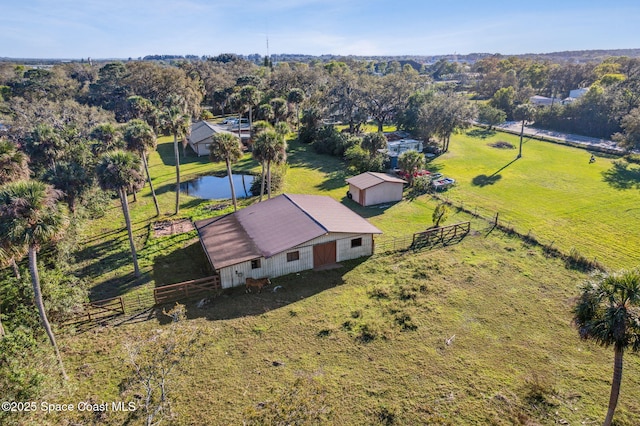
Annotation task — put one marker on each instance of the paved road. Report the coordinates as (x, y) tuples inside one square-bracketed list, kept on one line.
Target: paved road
[(514, 126)]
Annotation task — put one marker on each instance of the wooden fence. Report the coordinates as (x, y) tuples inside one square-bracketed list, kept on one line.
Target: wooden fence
[(444, 235), (100, 310), (186, 290)]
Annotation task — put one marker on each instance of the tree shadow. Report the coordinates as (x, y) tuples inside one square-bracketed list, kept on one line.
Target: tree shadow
[(186, 263), (484, 180), (622, 175), (336, 179), (481, 133)]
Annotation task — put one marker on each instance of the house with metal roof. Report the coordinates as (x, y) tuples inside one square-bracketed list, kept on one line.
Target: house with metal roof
[(200, 135), (286, 234), (371, 188)]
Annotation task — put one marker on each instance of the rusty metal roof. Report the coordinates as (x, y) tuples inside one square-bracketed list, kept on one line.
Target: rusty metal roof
[(368, 179), (273, 226)]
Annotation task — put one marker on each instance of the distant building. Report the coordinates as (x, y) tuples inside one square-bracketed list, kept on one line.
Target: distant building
[(200, 136), (575, 94), (544, 101), (397, 147)]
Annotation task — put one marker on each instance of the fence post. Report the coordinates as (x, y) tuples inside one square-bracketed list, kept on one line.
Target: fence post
[(495, 223), (122, 304)]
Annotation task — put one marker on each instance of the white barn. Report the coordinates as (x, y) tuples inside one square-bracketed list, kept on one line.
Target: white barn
[(371, 188), (286, 234)]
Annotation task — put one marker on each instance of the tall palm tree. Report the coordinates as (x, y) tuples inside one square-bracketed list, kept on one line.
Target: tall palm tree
[(250, 97), (120, 171), (296, 96), (226, 147), (139, 138), (177, 123), (258, 153), (273, 149), (608, 312), (31, 216)]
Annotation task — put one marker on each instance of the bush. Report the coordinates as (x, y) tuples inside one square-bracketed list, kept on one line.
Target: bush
[(360, 161), (330, 141), (206, 115), (277, 180)]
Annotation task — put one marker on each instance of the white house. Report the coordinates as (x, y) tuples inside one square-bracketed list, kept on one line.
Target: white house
[(286, 234), (544, 101), (371, 188)]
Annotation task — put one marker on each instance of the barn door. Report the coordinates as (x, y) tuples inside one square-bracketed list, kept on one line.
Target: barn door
[(324, 254), (361, 196)]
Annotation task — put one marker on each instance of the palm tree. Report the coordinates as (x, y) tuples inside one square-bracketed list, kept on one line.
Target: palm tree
[(14, 164), (31, 216), (120, 171), (107, 136), (411, 162), (279, 106), (176, 123), (273, 149), (139, 138), (250, 97), (608, 312), (258, 153), (296, 96), (226, 147)]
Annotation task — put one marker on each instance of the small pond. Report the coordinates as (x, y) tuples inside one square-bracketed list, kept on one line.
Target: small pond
[(217, 187)]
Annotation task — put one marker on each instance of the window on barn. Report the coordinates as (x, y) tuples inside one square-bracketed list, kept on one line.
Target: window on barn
[(255, 264), (356, 242), (292, 256)]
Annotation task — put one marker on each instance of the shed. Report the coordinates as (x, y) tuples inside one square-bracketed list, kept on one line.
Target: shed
[(200, 136), (371, 188), (286, 234)]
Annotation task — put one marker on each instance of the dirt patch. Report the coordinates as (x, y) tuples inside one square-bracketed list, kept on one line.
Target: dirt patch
[(502, 145), (172, 227)]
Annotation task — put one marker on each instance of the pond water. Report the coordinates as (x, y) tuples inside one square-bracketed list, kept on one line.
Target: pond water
[(217, 187)]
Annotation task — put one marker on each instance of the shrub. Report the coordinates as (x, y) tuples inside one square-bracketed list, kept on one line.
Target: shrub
[(277, 180)]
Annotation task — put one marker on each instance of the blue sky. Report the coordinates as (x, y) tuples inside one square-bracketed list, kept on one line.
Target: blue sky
[(134, 28)]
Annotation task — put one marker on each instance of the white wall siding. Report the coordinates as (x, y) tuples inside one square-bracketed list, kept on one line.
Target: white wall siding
[(383, 193), (355, 193), (276, 266)]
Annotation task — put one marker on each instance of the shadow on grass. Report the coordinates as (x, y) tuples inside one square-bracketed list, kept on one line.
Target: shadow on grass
[(235, 303), (484, 180), (336, 179), (622, 175), (369, 211), (481, 133), (183, 264), (120, 285)]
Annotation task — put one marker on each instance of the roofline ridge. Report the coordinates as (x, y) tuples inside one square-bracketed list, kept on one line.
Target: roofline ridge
[(306, 212)]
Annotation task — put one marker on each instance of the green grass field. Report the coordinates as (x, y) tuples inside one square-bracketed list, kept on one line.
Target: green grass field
[(367, 343), (552, 192)]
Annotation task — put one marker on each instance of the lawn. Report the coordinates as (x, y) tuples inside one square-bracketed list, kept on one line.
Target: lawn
[(471, 334), (552, 191), (476, 333)]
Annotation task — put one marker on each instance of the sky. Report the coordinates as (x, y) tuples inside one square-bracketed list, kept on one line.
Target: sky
[(75, 29)]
